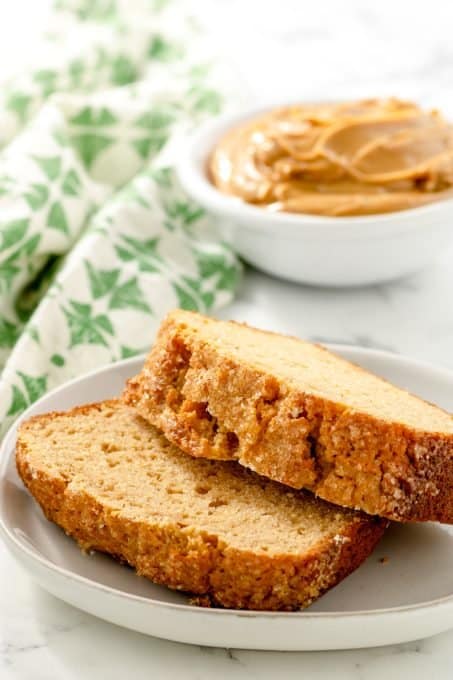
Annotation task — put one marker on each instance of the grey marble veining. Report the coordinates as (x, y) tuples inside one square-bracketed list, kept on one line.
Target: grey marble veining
[(283, 49)]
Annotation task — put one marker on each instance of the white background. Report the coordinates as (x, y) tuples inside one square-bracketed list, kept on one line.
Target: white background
[(313, 49)]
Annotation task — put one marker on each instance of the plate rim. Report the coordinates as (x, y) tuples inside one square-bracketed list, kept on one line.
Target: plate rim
[(13, 543)]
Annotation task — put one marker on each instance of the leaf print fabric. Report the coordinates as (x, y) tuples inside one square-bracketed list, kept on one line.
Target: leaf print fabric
[(97, 240)]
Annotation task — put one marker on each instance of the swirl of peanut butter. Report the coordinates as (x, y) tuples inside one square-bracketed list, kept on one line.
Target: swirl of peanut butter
[(359, 158)]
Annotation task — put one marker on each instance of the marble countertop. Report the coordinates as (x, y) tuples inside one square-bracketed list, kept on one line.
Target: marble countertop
[(312, 50)]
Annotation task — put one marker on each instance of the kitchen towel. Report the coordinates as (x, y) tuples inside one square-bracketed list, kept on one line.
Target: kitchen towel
[(97, 240)]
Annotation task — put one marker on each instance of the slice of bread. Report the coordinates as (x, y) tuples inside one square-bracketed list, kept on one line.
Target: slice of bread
[(214, 529), (298, 414)]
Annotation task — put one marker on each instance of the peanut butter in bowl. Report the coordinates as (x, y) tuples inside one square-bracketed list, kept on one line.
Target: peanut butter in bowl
[(351, 158)]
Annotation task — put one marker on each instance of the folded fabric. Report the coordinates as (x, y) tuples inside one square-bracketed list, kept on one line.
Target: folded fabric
[(97, 240)]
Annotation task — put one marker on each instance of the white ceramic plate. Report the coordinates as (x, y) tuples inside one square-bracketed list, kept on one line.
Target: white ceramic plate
[(409, 596)]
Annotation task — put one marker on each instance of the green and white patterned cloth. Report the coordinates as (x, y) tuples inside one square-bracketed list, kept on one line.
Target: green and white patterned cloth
[(97, 241)]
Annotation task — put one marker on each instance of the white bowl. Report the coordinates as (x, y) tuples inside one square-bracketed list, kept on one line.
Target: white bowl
[(325, 251)]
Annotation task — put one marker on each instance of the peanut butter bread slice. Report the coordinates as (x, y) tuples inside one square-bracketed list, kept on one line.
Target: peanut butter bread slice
[(215, 529), (298, 414)]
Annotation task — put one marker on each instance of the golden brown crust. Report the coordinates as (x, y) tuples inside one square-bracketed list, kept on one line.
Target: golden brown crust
[(189, 559), (213, 406)]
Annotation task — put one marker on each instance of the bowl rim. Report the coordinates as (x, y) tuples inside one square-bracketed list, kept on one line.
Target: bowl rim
[(192, 175)]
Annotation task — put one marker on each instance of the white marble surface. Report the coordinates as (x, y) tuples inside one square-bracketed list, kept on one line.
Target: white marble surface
[(284, 48)]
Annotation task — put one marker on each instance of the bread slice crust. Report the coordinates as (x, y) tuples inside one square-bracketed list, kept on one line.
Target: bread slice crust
[(212, 403), (170, 548)]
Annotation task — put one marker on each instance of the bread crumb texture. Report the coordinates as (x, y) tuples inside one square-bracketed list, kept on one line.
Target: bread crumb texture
[(214, 529), (298, 414)]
